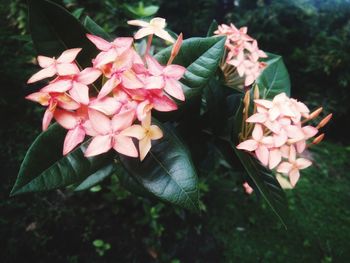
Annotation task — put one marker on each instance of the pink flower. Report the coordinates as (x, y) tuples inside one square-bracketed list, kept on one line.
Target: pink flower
[(62, 66), (78, 126), (75, 84), (145, 133), (259, 143), (247, 188), (110, 50), (52, 100), (165, 77), (292, 167), (109, 134), (155, 27), (255, 52)]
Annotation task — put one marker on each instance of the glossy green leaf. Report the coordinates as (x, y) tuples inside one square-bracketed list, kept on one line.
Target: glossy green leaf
[(54, 29), (45, 168), (213, 27), (201, 57), (167, 171), (266, 183), (96, 178), (274, 79), (95, 29)]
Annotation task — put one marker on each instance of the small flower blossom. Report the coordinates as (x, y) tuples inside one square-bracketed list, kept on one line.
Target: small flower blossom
[(243, 53), (279, 134), (155, 27), (62, 66)]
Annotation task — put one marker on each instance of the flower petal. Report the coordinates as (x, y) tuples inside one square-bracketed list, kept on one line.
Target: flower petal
[(135, 131), (99, 144), (60, 85), (72, 139), (100, 122), (144, 147), (262, 153), (66, 69), (257, 133), (144, 32), (174, 89), (100, 43), (125, 145), (155, 132), (69, 55), (163, 103), (122, 120), (275, 158), (174, 71), (42, 74), (66, 119), (108, 87), (80, 93), (88, 75), (45, 62), (284, 167), (248, 145), (294, 176), (302, 163)]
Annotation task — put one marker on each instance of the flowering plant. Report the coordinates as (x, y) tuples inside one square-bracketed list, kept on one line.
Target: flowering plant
[(154, 118)]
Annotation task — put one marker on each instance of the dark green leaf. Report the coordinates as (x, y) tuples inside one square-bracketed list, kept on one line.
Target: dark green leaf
[(274, 79), (44, 167), (54, 29), (96, 178), (167, 171), (95, 29), (213, 26), (266, 183), (201, 57)]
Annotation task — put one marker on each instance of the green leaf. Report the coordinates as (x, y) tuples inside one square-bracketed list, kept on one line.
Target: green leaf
[(78, 12), (167, 171), (95, 29), (95, 178), (274, 79), (45, 168), (263, 179), (266, 183), (54, 29), (201, 57), (213, 26)]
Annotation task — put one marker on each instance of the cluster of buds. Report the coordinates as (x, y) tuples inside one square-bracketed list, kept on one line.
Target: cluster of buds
[(112, 100), (277, 133), (242, 56)]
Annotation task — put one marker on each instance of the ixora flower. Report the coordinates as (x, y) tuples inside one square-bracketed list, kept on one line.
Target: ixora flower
[(279, 134), (154, 27), (119, 106), (242, 55)]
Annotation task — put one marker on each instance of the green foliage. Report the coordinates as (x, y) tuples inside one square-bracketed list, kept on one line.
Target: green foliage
[(274, 79), (44, 168), (167, 171), (51, 36)]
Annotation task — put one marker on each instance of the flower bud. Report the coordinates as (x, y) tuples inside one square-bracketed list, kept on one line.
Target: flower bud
[(318, 139), (256, 92), (324, 121), (315, 113)]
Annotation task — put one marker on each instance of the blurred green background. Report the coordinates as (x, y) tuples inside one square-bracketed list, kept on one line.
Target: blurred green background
[(107, 224)]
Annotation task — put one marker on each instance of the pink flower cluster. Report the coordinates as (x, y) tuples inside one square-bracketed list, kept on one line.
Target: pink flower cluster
[(279, 135), (242, 52), (112, 100)]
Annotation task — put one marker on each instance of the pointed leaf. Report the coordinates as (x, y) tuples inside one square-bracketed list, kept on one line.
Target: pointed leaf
[(201, 57), (96, 178), (95, 29), (274, 79), (45, 168), (167, 171), (213, 26), (54, 29)]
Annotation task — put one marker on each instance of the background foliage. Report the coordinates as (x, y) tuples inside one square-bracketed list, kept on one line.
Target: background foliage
[(107, 223)]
